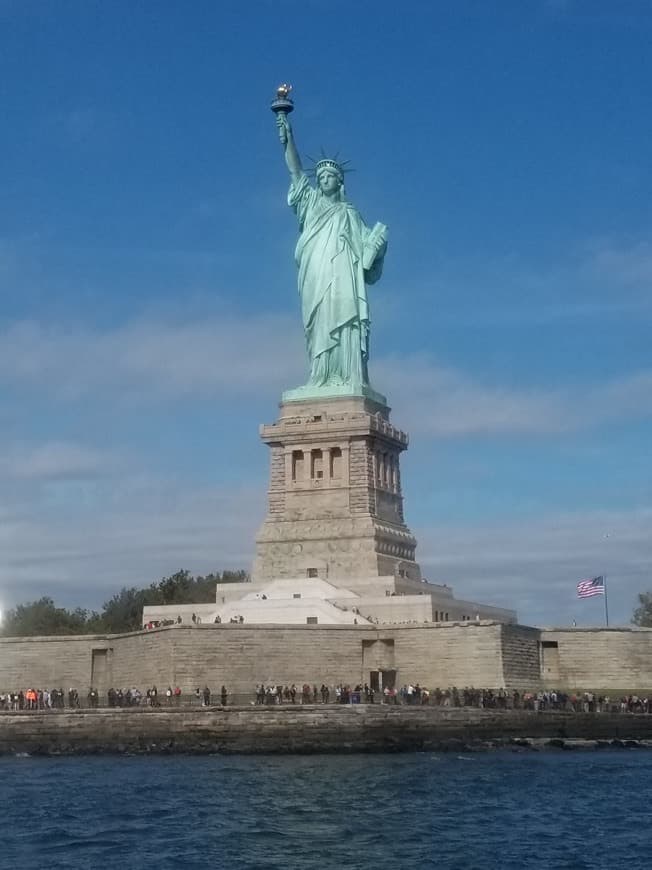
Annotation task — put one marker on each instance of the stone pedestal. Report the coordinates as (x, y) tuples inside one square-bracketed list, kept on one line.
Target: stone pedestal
[(335, 502)]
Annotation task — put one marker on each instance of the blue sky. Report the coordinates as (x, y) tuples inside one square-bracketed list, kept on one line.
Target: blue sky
[(148, 309)]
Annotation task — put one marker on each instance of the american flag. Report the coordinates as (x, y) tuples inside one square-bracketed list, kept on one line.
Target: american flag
[(587, 588)]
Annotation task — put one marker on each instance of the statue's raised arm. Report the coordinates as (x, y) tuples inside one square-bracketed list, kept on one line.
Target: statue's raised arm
[(282, 106), (292, 158)]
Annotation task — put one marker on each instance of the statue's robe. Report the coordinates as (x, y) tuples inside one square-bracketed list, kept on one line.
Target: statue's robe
[(332, 286)]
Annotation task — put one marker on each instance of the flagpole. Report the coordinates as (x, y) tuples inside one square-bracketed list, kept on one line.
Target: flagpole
[(606, 603)]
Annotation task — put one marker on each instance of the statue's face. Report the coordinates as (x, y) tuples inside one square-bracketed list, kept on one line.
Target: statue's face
[(329, 182)]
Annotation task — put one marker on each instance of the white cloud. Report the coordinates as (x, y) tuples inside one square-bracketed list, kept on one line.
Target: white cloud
[(442, 402), (139, 528), (54, 461), (136, 530), (534, 565), (230, 357), (225, 355), (627, 266), (591, 281)]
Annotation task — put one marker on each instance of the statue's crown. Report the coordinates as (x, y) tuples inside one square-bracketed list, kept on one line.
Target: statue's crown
[(339, 167), (327, 163)]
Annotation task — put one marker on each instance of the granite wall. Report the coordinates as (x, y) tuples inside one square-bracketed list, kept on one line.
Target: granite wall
[(604, 658), (48, 661), (305, 729), (481, 654)]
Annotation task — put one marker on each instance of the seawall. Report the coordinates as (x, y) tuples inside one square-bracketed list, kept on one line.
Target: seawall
[(304, 729)]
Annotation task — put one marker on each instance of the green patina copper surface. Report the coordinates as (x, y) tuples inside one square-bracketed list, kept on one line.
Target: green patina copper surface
[(337, 256)]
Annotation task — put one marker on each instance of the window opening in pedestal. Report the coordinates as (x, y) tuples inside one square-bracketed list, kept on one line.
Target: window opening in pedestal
[(297, 465), (317, 464), (336, 463)]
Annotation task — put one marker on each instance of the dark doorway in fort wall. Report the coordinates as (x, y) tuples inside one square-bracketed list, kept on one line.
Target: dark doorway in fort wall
[(550, 661), (380, 680), (100, 670), (379, 663)]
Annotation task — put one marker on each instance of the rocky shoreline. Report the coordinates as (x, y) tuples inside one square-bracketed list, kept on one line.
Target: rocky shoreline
[(314, 729)]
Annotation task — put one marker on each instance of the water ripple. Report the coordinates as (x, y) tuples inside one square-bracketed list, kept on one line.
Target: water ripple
[(503, 810)]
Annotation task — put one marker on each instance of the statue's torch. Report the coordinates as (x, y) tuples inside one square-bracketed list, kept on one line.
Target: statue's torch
[(282, 105)]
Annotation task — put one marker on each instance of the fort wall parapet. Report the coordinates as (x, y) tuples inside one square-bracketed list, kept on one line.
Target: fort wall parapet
[(472, 653)]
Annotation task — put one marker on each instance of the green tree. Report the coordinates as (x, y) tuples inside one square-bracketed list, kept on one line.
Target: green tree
[(643, 613), (232, 577), (183, 588), (123, 612), (43, 617), (176, 589)]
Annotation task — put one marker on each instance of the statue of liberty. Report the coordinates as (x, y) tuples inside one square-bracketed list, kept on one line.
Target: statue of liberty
[(337, 255)]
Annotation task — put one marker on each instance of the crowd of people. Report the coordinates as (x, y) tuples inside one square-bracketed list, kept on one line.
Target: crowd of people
[(292, 695), (501, 699), (416, 695), (171, 697), (195, 618), (343, 693), (57, 699), (46, 699)]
